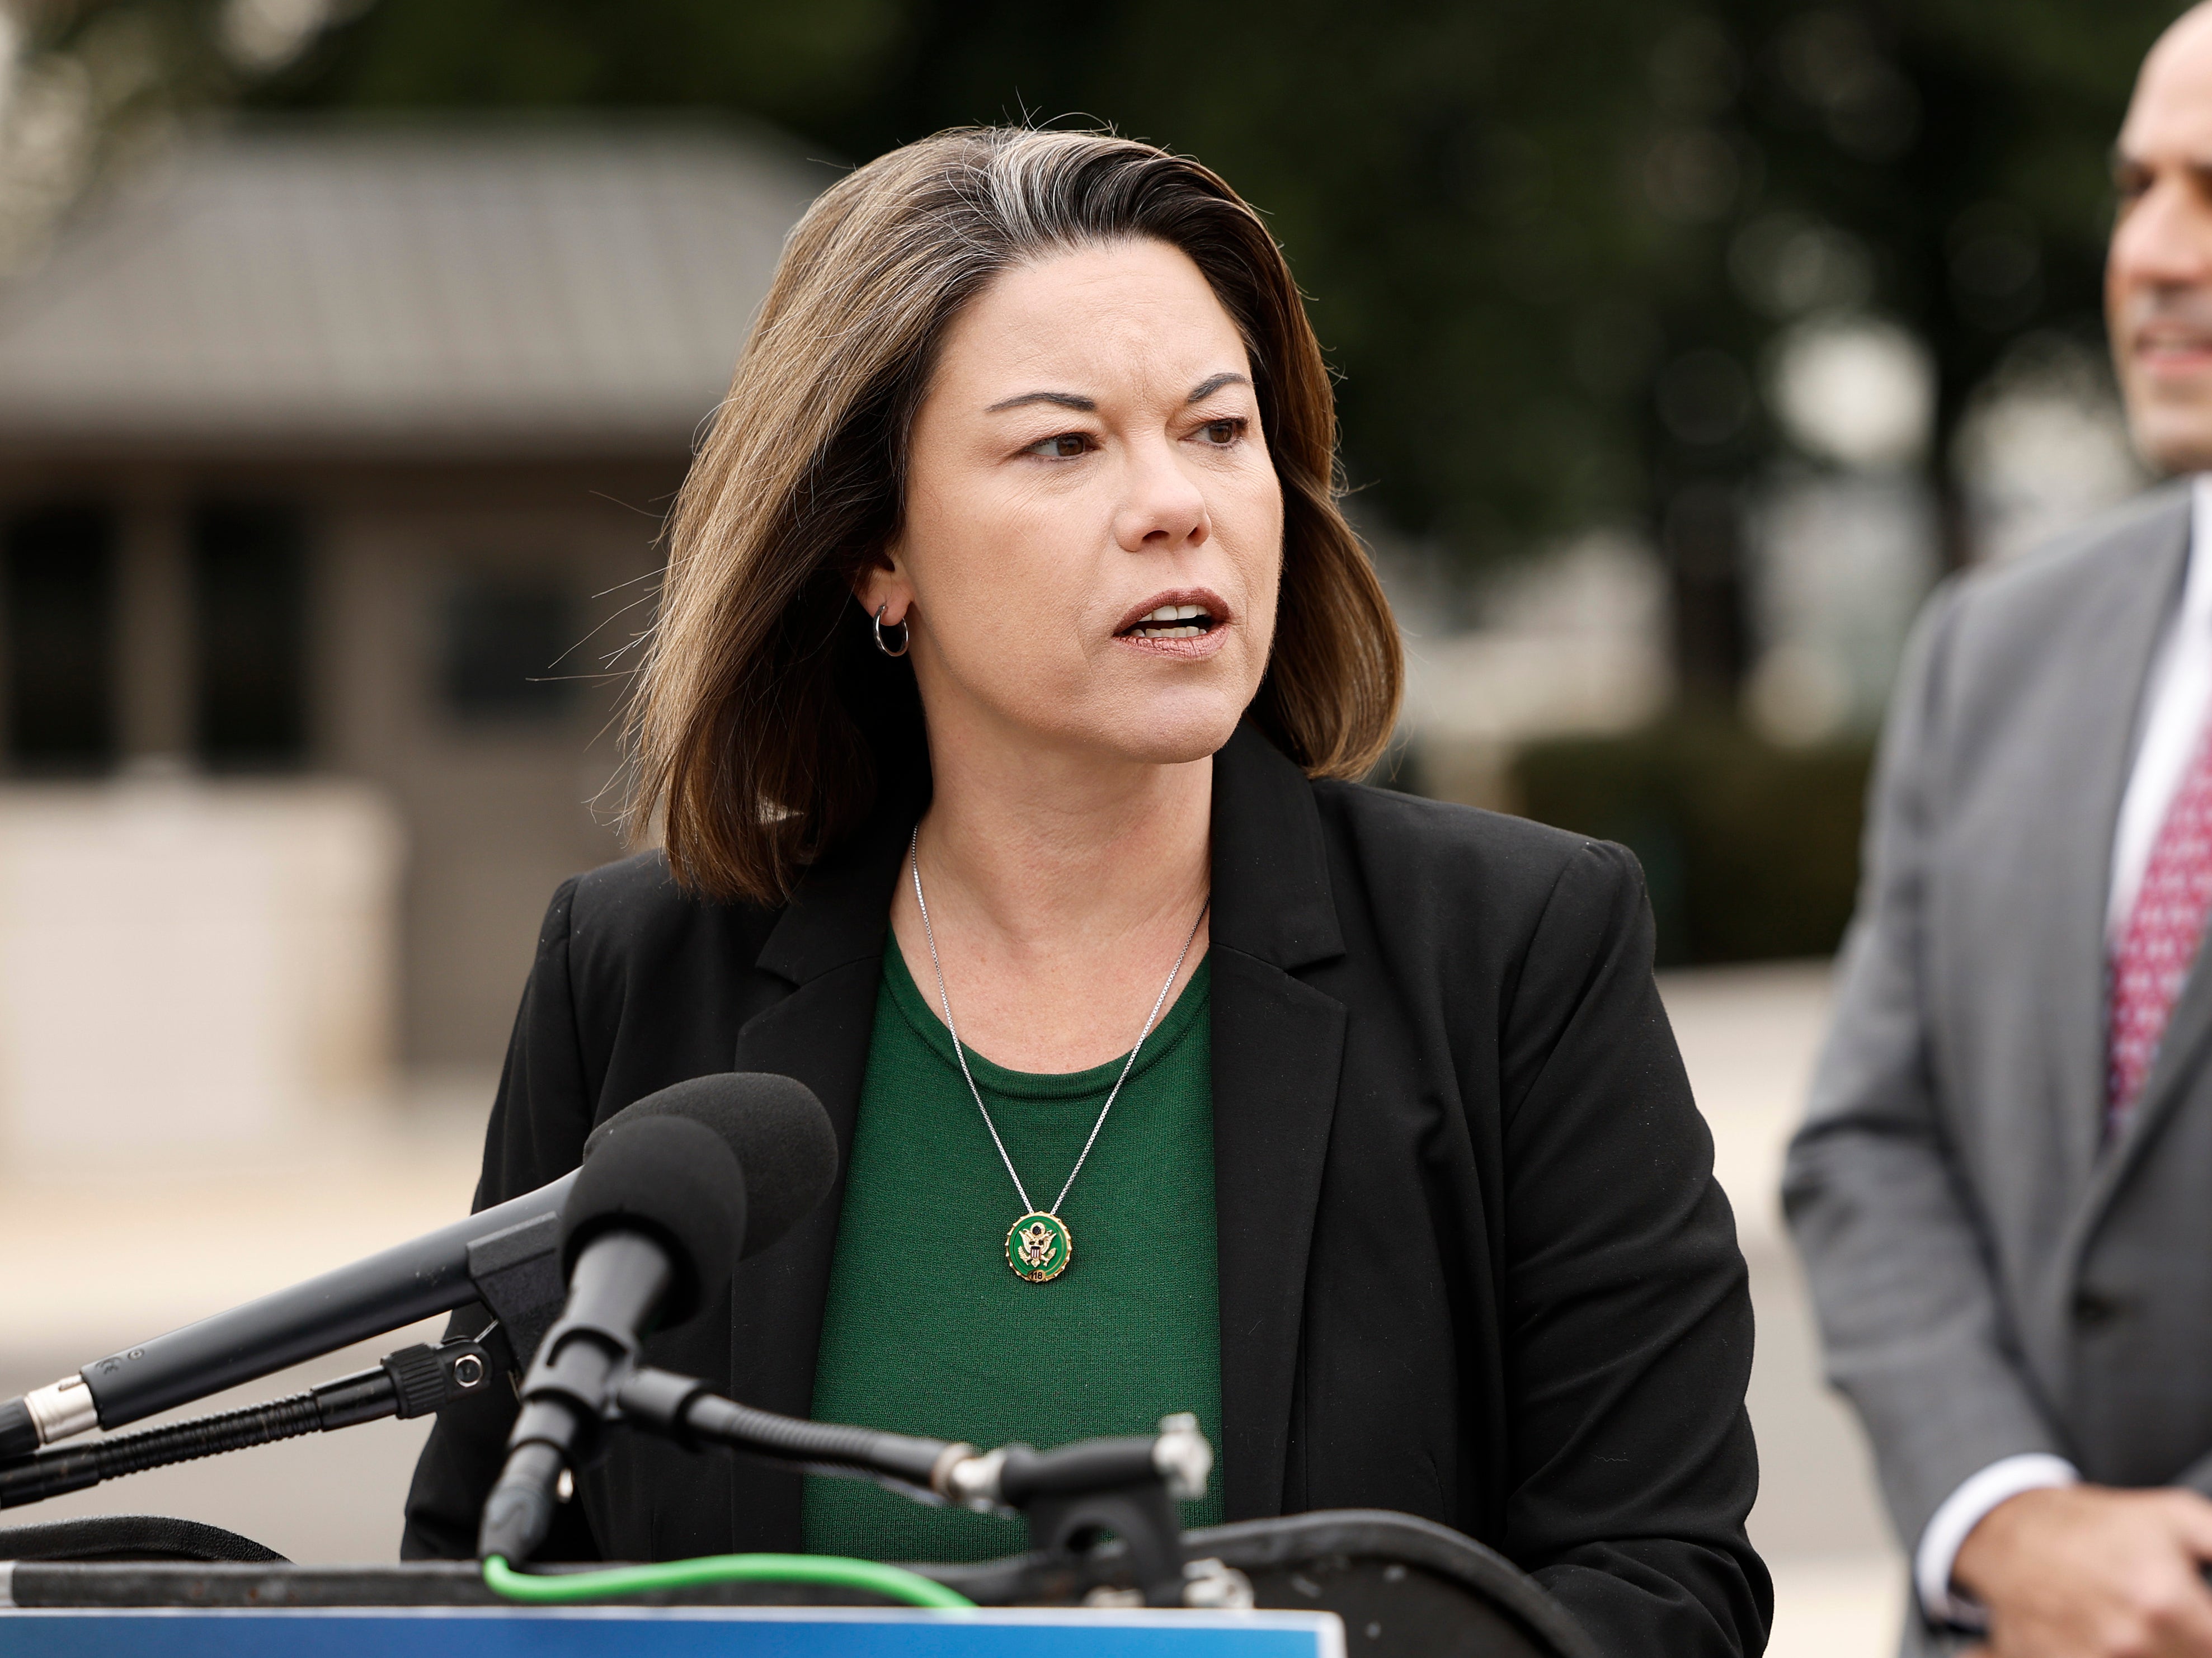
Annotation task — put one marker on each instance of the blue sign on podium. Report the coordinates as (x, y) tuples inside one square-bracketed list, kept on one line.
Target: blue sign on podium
[(667, 1633)]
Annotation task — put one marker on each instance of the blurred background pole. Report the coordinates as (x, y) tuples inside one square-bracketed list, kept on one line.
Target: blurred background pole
[(154, 630), (1701, 533)]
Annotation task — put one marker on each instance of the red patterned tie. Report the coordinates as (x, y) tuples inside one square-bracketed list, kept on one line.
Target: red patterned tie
[(2163, 932)]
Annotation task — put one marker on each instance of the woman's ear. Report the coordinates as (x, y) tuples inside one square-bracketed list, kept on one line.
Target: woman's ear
[(882, 584)]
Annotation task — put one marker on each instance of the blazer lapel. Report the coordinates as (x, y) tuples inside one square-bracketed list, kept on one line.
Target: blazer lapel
[(2148, 569), (1278, 1049), (818, 974)]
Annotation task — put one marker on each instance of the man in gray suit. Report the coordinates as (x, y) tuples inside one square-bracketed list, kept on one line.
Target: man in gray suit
[(2002, 1191)]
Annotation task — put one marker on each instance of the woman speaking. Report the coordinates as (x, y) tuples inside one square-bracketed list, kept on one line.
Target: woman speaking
[(998, 727)]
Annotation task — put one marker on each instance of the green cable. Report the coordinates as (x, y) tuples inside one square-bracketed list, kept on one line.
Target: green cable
[(836, 1571)]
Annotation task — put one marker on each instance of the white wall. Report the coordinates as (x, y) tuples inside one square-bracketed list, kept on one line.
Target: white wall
[(189, 969)]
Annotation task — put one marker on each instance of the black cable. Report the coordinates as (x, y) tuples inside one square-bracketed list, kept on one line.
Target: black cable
[(727, 1422), (683, 1408)]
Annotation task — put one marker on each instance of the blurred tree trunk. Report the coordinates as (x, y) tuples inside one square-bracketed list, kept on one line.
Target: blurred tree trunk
[(1701, 536)]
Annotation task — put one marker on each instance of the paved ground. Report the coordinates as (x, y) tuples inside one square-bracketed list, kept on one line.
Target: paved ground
[(120, 1259), (112, 1261), (1749, 1035)]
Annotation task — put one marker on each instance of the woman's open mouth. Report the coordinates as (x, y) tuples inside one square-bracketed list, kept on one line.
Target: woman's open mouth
[(1173, 621), (1185, 623)]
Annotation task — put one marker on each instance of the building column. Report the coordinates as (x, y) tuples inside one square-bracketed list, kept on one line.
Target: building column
[(154, 716)]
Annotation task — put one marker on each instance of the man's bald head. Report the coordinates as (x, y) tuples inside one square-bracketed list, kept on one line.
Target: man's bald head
[(2179, 51), (2158, 278)]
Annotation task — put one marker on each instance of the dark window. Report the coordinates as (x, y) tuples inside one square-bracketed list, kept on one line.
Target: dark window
[(60, 628), (504, 643), (250, 612)]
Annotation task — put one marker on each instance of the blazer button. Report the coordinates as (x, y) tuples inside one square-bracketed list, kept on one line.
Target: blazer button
[(2093, 1308)]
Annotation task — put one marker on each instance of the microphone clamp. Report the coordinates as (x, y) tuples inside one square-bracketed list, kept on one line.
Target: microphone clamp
[(1178, 1458), (969, 1478), (1183, 1457), (46, 1414)]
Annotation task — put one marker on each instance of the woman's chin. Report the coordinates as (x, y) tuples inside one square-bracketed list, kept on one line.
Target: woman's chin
[(1171, 731), (1121, 723)]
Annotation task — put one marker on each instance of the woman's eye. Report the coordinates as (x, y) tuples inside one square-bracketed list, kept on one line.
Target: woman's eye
[(1065, 445), (1221, 433)]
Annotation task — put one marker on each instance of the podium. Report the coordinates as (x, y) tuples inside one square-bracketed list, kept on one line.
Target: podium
[(668, 1632), (1343, 1584)]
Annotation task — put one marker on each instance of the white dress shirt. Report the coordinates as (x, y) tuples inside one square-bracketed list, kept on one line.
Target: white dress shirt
[(2177, 697)]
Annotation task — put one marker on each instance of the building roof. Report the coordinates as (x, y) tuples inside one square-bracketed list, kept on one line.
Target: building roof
[(407, 288)]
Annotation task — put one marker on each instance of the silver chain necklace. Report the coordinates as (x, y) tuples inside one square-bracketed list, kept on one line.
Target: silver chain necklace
[(1039, 1246)]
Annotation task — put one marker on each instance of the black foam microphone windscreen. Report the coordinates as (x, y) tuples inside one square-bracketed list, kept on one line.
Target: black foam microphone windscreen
[(676, 1180), (777, 1129)]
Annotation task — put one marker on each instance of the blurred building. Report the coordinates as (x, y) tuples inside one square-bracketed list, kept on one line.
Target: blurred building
[(332, 462), (1571, 643)]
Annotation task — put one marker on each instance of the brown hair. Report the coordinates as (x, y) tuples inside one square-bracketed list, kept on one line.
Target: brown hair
[(763, 721)]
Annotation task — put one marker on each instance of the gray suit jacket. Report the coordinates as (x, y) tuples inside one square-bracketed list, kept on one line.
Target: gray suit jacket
[(1989, 1280)]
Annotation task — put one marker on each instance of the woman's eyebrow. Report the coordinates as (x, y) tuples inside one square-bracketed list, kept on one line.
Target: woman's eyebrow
[(1213, 383), (1081, 404)]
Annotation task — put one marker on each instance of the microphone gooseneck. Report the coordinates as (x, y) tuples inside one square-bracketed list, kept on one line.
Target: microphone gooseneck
[(386, 1291), (776, 1129)]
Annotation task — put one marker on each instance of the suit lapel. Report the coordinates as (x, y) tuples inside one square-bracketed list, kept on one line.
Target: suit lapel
[(2118, 633), (1278, 1049), (818, 974), (2149, 565)]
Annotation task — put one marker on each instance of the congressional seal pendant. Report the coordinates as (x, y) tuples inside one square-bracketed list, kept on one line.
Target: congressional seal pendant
[(1039, 1247)]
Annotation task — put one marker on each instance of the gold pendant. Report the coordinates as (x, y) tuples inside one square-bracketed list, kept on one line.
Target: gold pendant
[(1039, 1247)]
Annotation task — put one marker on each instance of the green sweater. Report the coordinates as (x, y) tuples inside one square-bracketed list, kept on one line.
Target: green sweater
[(928, 1331)]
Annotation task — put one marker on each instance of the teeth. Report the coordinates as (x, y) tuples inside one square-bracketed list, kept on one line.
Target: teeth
[(1171, 632), (1176, 613)]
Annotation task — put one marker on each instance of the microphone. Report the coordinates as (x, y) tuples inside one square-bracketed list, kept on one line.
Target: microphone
[(432, 1274), (660, 1214), (395, 1287)]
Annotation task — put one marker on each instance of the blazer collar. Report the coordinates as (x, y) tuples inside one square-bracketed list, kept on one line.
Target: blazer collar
[(1279, 1046), (841, 913), (1271, 890), (826, 948)]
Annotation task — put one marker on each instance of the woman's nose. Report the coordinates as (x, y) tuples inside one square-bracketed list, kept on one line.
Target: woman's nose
[(1163, 509)]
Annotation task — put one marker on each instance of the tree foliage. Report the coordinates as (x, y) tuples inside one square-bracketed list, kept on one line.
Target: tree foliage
[(1548, 243)]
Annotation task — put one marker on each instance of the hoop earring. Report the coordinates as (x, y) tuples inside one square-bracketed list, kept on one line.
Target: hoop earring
[(906, 633)]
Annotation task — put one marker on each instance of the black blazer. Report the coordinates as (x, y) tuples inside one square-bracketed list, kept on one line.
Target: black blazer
[(1474, 1263)]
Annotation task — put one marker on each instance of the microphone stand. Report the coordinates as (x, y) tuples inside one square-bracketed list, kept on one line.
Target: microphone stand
[(415, 1381), (1070, 1496)]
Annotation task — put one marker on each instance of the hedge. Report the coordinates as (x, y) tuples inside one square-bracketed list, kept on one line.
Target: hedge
[(1751, 851)]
